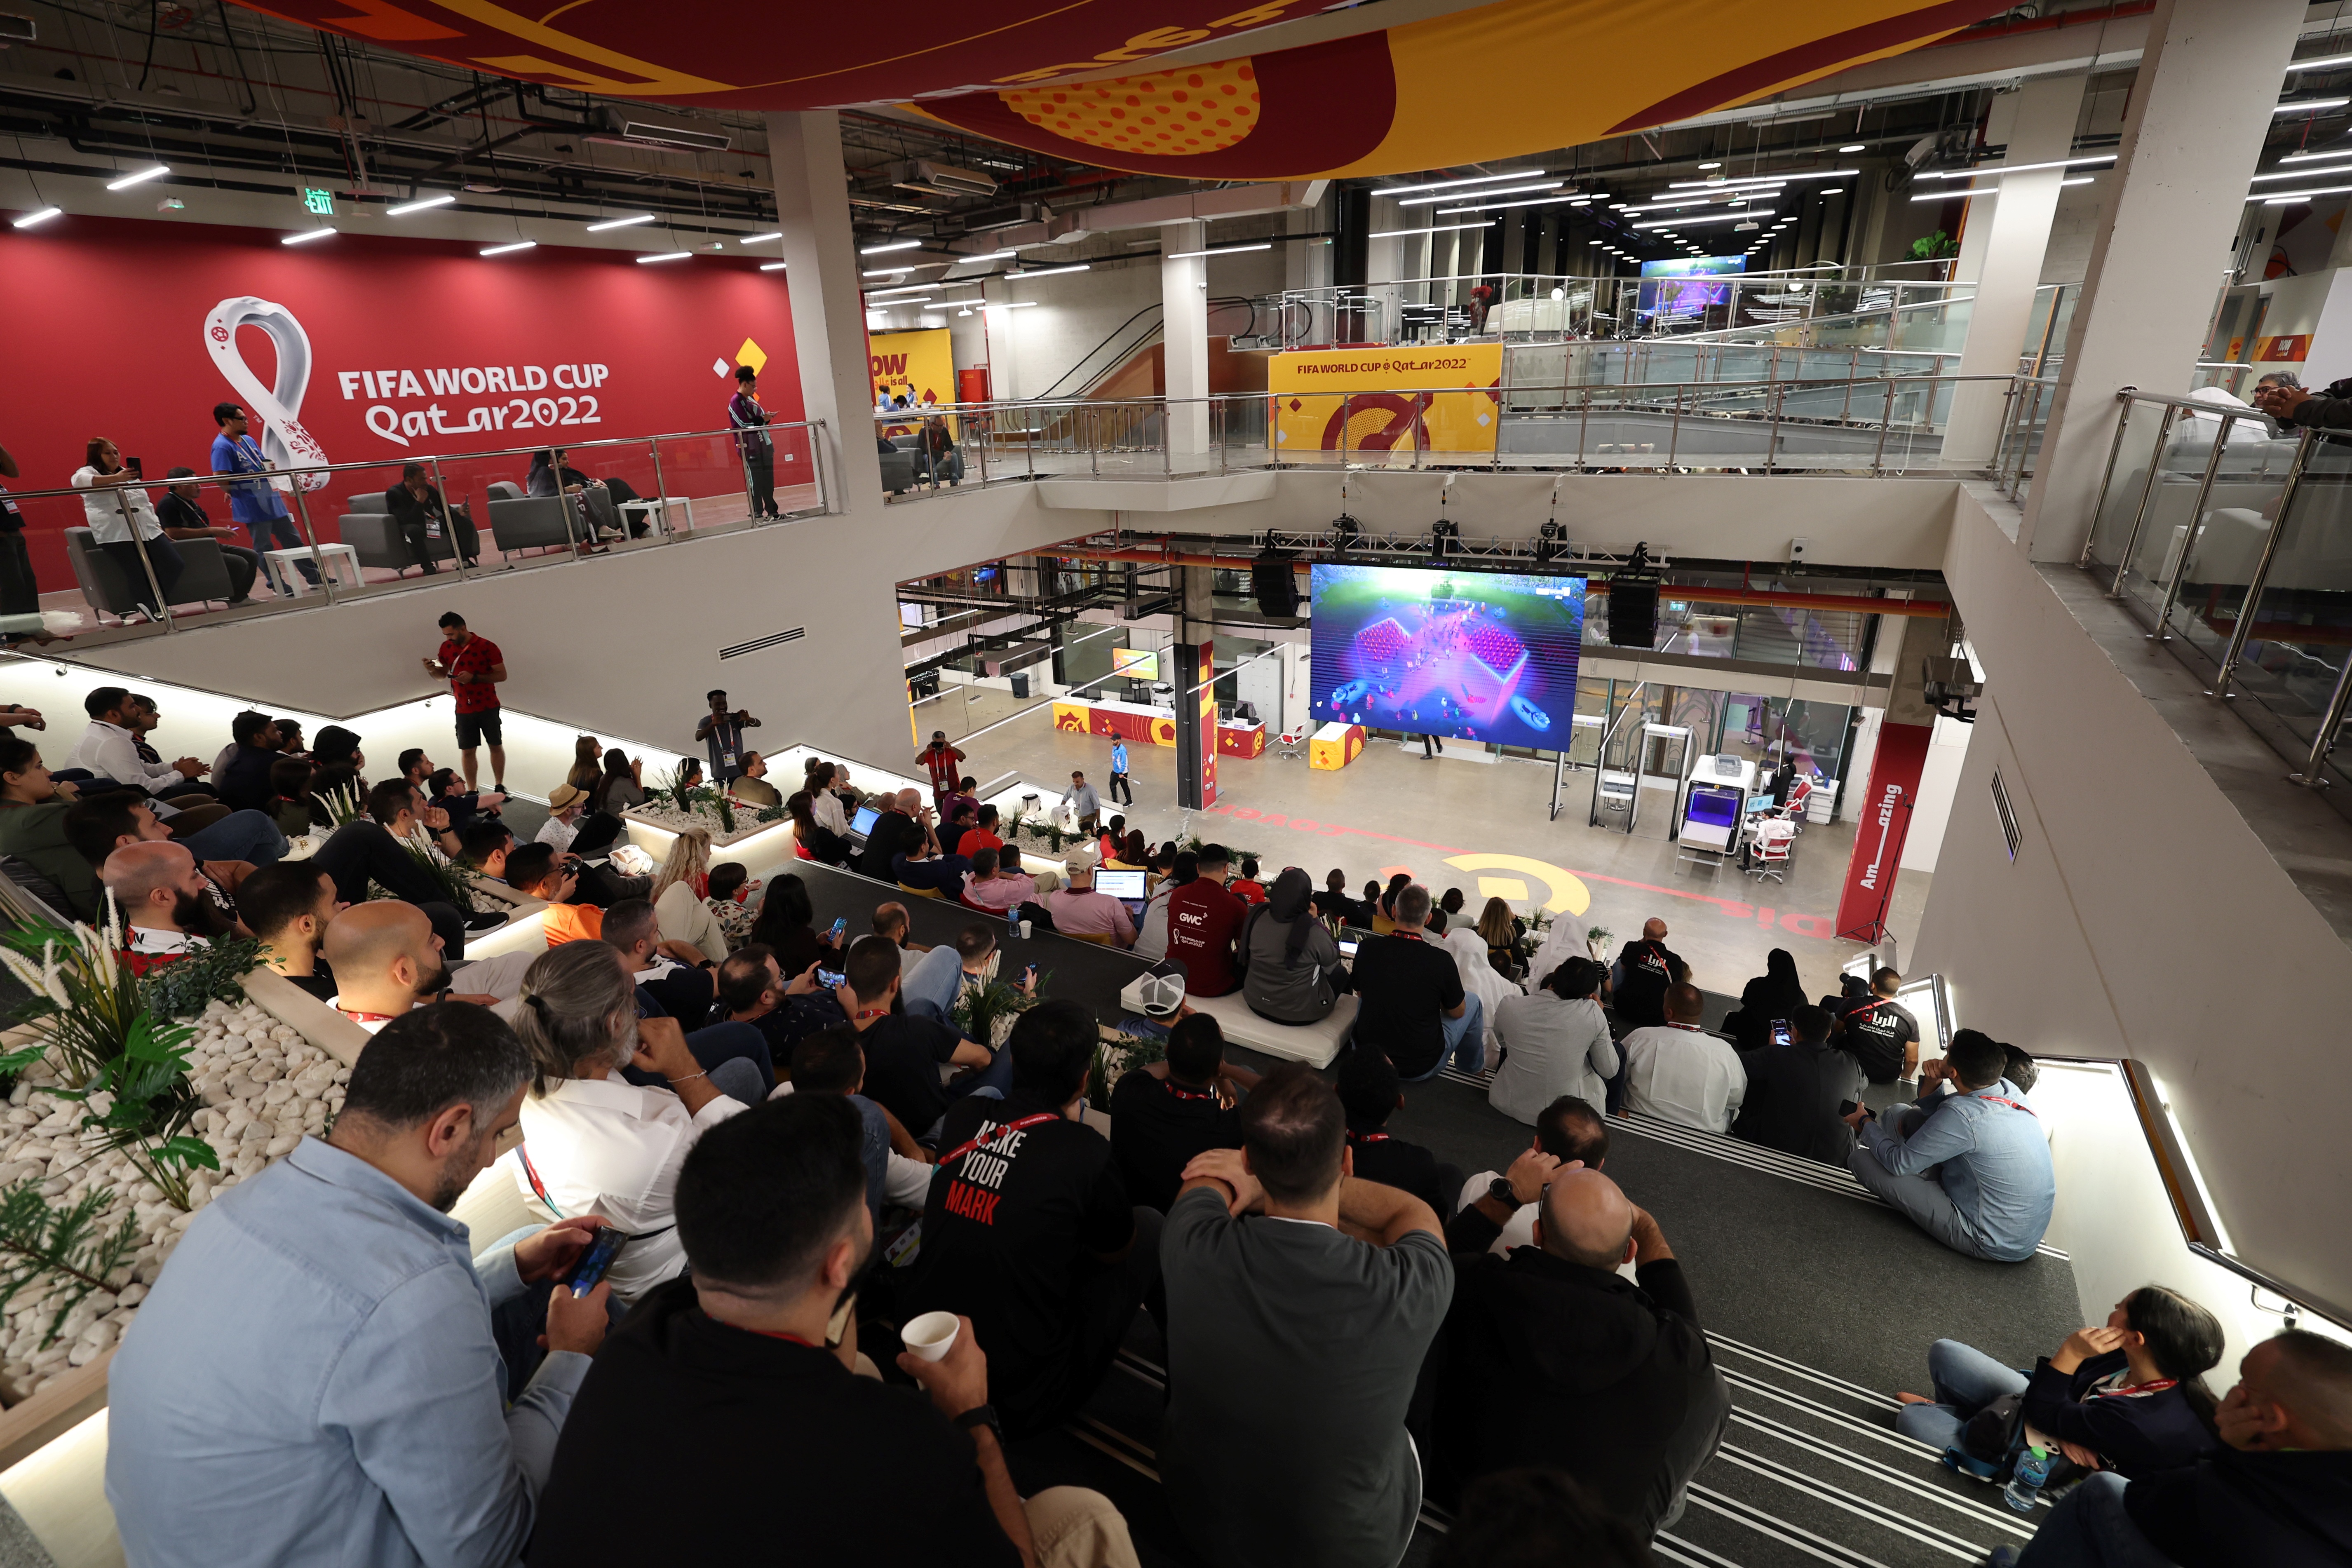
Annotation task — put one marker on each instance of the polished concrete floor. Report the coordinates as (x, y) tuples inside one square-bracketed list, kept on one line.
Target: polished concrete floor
[(1449, 822)]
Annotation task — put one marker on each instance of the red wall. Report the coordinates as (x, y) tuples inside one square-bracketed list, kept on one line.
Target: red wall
[(106, 336)]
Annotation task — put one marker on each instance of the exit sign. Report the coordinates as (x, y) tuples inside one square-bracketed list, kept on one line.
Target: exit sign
[(318, 201)]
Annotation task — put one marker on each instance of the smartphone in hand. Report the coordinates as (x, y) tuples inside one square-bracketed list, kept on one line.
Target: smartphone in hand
[(591, 1264), (832, 937)]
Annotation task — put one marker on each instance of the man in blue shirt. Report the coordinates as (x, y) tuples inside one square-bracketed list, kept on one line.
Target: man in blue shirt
[(1976, 1173), (254, 502), (314, 1377), (1119, 785)]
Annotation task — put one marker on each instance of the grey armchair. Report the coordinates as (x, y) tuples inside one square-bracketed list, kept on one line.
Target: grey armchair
[(205, 575), (898, 467), (518, 522), (369, 529)]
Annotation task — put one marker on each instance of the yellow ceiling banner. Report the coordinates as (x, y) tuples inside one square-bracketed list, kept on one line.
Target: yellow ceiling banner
[(1385, 405)]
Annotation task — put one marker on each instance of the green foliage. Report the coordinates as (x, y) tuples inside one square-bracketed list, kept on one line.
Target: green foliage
[(681, 795), (1933, 246), (1235, 850), (61, 1249), (1135, 1051), (149, 1107), (726, 812), (81, 989), (771, 814), (455, 882), (979, 1007), (181, 989)]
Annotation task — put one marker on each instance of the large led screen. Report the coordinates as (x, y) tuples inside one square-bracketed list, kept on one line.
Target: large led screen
[(1479, 655), (1687, 286)]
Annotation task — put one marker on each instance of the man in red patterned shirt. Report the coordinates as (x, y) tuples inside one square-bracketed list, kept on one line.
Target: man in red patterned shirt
[(474, 667)]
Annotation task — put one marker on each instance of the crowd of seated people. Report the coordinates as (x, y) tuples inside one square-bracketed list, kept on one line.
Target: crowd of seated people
[(769, 1111)]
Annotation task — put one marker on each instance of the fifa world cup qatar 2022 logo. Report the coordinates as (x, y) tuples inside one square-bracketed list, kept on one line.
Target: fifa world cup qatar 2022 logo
[(275, 409)]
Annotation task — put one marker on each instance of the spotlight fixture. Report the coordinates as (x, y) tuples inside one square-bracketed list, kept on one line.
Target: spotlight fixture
[(1949, 685)]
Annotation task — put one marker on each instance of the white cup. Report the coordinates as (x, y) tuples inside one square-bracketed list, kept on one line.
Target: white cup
[(1024, 931), (931, 1336)]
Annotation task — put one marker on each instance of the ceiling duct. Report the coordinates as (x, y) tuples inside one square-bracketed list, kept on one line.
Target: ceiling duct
[(614, 131), (957, 182)]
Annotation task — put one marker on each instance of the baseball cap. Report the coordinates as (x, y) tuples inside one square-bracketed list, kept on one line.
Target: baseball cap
[(334, 744), (564, 794), (1163, 993)]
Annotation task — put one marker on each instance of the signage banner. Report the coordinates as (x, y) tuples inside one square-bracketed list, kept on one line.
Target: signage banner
[(917, 366), (1881, 822), (1365, 402), (370, 348)]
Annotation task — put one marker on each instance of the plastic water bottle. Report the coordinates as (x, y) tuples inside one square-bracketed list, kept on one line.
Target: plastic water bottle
[(2025, 1480)]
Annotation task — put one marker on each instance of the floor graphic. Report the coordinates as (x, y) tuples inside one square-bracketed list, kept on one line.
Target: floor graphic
[(1565, 891)]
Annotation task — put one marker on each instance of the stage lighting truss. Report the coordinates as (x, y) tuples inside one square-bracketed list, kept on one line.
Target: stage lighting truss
[(1445, 538)]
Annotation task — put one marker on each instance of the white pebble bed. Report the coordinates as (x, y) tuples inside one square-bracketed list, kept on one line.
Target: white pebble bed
[(263, 1087)]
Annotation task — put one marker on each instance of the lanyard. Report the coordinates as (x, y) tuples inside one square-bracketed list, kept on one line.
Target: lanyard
[(1856, 1012), (1407, 935), (366, 1017), (779, 1334), (1368, 1137), (2013, 1105), (540, 1188), (2136, 1390), (1658, 956), (967, 1146), (1180, 1093)]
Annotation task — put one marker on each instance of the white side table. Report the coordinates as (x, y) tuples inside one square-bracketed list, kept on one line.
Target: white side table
[(341, 559), (655, 508)]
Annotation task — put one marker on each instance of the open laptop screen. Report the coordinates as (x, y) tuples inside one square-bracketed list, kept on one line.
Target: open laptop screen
[(1120, 884)]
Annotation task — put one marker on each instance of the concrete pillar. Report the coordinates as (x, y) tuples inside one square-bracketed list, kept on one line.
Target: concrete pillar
[(1192, 671), (1185, 336), (828, 316), (2199, 108), (2014, 228)]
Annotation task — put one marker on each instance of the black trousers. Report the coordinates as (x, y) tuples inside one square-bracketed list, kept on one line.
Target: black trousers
[(1120, 788), (759, 471), (20, 593), (361, 852), (165, 557)]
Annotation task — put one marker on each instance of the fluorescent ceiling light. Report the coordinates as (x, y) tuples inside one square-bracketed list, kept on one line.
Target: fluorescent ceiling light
[(1488, 206), (1710, 165), (757, 238), (951, 304), (1668, 223), (1853, 147), (909, 291), (1219, 250), (664, 255), (2079, 180), (1008, 304), (2310, 157), (2288, 198), (139, 178), (894, 245), (887, 272), (306, 236), (2321, 63), (771, 267), (619, 223), (1965, 193), (1498, 190), (1685, 203), (1760, 179), (2311, 103), (988, 255), (44, 215), (1441, 228), (510, 249), (1046, 272), (419, 205), (2307, 174), (1455, 184), (2021, 168)]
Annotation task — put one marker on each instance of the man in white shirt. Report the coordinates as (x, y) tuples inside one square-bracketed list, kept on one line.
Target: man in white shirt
[(1082, 798), (110, 750), (564, 805), (166, 908), (1678, 1072)]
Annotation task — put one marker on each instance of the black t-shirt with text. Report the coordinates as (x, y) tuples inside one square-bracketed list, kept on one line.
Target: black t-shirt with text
[(903, 1056), (1157, 1127), (1875, 1033), (1005, 1229), (1404, 986), (1640, 999)]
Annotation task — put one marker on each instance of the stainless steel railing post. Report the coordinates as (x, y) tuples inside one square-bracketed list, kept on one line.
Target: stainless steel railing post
[(2189, 540), (661, 489), (2107, 474), (449, 520), (2312, 775), (1885, 423), (2244, 626), (2147, 494), (154, 584), (310, 537)]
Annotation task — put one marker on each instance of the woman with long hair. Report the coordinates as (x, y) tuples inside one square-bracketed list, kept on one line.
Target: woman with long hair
[(787, 923), (619, 785), (614, 1149), (1502, 931), (822, 843), (680, 891), (586, 766), (2129, 1397), (1295, 974), (1555, 1041)]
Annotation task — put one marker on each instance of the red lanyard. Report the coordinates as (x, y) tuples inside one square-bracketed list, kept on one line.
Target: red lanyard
[(366, 1017), (1864, 1007), (966, 1147), (2136, 1390), (1180, 1093), (1406, 935), (870, 1013), (1658, 956), (1368, 1137), (777, 1335), (2013, 1105)]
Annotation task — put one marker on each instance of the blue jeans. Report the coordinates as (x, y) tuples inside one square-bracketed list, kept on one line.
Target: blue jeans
[(1465, 1039), (280, 533), (240, 836), (2088, 1527), (992, 1080), (1965, 1380), (1919, 1195)]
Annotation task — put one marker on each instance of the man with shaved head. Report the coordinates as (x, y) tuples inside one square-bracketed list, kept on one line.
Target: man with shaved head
[(1678, 1072), (387, 962), (1551, 1358), (1644, 970), (165, 904), (2278, 1494)]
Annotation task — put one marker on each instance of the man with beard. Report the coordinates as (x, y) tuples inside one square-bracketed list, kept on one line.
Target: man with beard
[(387, 962), (289, 907), (167, 906), (318, 1370)]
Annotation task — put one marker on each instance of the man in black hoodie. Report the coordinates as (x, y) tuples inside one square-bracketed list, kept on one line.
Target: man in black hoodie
[(1551, 1358), (2280, 1494)]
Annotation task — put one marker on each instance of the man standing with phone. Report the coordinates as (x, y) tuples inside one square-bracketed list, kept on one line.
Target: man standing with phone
[(254, 502), (722, 731), (473, 666)]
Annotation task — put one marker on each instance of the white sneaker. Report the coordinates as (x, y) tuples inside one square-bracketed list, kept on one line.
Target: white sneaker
[(137, 618)]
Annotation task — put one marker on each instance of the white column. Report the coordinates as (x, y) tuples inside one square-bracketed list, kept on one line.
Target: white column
[(2199, 108), (2015, 226), (828, 316), (1185, 336), (1976, 234)]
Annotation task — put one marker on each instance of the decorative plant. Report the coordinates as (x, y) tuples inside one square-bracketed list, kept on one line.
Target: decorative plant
[(980, 1008), (1933, 246), (771, 814), (343, 804), (60, 1252), (215, 973), (1597, 941), (1235, 850), (143, 1102), (1133, 1051), (675, 785), (455, 882), (726, 814), (81, 988)]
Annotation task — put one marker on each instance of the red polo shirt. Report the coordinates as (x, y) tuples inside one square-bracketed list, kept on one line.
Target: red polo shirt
[(1203, 919), (475, 658)]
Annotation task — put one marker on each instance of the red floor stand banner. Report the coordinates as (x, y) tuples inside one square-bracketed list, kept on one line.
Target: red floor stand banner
[(1882, 824)]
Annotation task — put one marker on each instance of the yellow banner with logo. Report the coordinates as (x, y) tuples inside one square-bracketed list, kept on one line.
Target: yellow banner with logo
[(917, 366), (1382, 405)]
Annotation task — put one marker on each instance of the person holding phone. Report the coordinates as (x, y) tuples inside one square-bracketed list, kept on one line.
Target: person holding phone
[(1798, 1092), (123, 520)]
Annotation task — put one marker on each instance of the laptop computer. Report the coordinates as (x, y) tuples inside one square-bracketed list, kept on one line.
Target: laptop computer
[(1127, 885)]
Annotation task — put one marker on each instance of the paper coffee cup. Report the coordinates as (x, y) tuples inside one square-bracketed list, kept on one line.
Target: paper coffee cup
[(1024, 931), (931, 1335)]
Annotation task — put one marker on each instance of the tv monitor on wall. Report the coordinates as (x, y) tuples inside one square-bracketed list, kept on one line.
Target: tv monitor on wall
[(1473, 655), (1136, 664), (1687, 285)]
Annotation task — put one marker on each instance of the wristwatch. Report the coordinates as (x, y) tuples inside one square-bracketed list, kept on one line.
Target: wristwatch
[(1500, 1189), (982, 1415)]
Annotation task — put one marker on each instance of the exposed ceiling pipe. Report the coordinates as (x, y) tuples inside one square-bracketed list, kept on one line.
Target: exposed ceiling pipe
[(1916, 609)]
